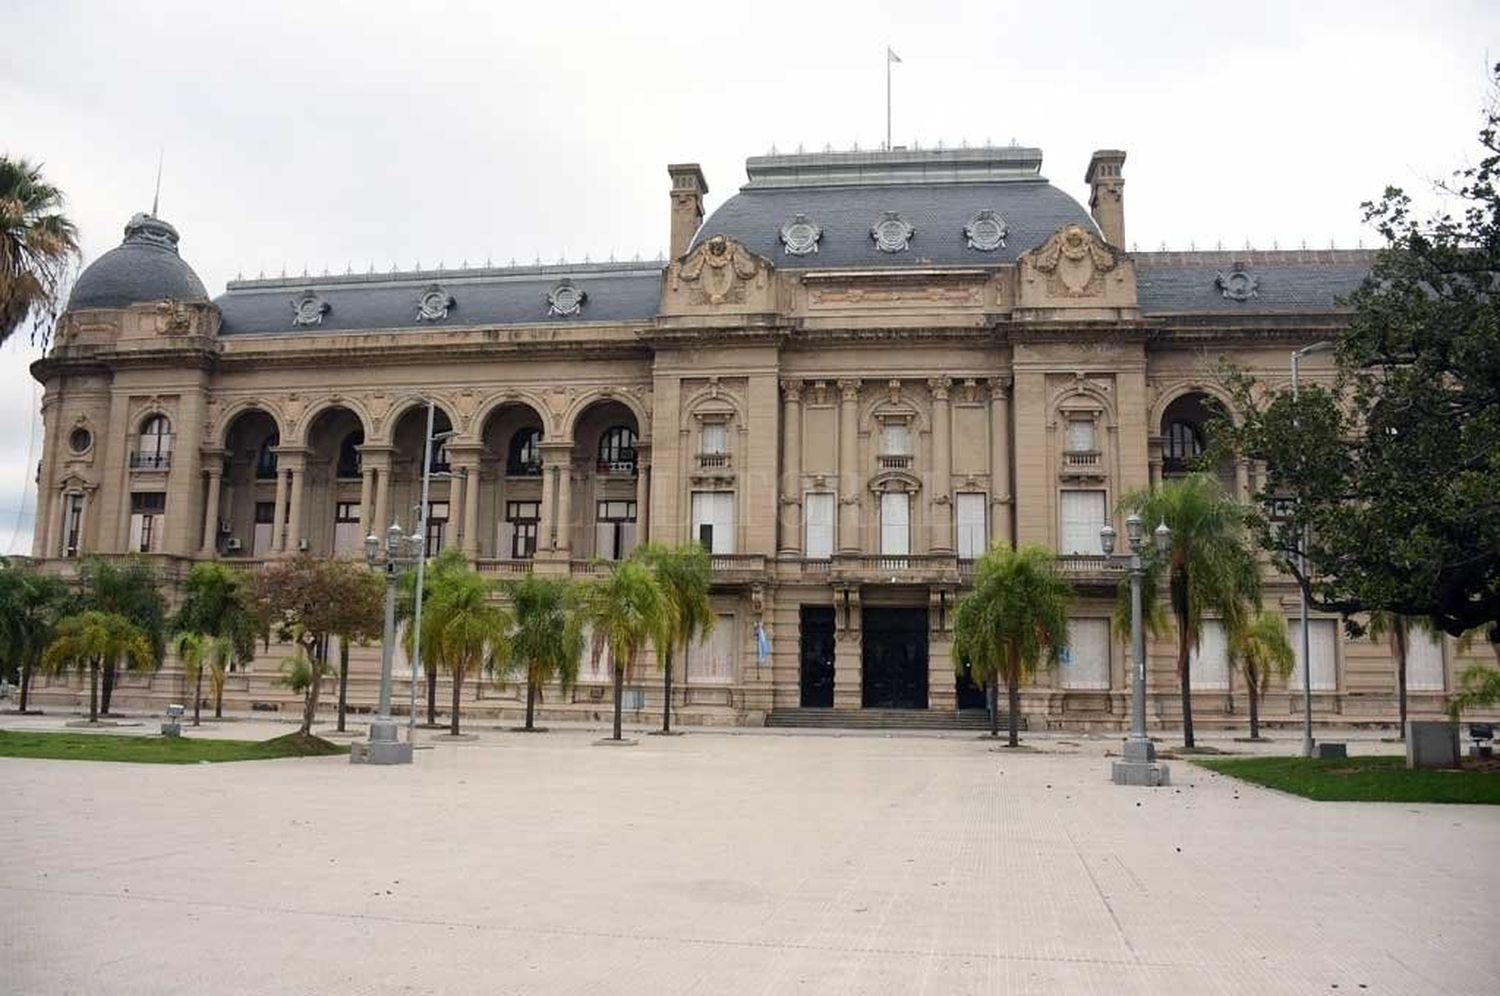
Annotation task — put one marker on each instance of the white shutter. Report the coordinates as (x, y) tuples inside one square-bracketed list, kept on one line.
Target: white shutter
[(1085, 660), (346, 539), (1322, 636), (971, 531), (715, 438), (587, 671), (716, 509), (817, 509), (711, 660), (137, 530), (894, 439), (1080, 435), (1082, 515), (1424, 662), (260, 545), (604, 539), (895, 523), (1209, 664)]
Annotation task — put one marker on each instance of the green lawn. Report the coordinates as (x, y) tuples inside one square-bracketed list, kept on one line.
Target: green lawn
[(159, 750), (1361, 779)]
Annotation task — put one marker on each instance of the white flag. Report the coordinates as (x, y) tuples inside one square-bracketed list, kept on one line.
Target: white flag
[(891, 56)]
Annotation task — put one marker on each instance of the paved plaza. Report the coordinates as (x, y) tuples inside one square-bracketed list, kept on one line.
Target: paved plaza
[(718, 863)]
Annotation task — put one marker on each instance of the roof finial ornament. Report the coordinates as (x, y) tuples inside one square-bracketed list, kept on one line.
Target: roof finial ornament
[(156, 196)]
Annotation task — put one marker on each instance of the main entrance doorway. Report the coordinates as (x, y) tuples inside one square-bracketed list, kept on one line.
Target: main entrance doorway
[(895, 658), (817, 656)]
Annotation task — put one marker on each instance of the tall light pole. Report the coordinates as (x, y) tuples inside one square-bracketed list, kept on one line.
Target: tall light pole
[(1307, 735), (1138, 767), (384, 745), (421, 544)]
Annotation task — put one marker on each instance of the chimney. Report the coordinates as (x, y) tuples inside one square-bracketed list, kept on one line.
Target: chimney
[(1107, 194), (688, 188)]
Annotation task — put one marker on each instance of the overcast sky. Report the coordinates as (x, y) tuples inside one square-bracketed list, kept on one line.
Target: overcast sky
[(326, 135)]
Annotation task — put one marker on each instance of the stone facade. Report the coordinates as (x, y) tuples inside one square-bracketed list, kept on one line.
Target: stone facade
[(851, 378)]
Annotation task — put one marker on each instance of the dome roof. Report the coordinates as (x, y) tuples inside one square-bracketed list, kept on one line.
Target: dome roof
[(145, 267), (900, 208)]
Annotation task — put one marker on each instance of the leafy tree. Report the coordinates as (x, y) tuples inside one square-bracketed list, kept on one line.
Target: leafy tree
[(130, 587), (309, 600), (38, 245), (1013, 622), (624, 613), (1261, 648), (1395, 468), (1397, 630), (548, 638), (31, 603), (202, 654), (86, 640), (1209, 568), (447, 561), (684, 574), (1478, 688), (466, 631), (219, 602)]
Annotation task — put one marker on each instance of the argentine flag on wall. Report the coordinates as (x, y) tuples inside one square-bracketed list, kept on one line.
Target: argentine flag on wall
[(762, 644)]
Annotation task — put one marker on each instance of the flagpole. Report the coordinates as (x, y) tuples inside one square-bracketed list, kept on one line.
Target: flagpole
[(887, 98)]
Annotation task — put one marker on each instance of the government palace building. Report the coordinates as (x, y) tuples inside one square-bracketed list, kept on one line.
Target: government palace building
[(848, 380)]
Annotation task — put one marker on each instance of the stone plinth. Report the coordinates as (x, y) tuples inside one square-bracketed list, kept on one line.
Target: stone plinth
[(1431, 744)]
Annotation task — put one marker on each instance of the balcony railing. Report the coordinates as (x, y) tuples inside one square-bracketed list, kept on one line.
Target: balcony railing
[(894, 461), (150, 461), (915, 568), (617, 468), (1081, 458), (1090, 567), (713, 461), (738, 566), (506, 567), (591, 568), (527, 468)]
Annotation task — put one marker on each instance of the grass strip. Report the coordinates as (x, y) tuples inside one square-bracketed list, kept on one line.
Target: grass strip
[(1361, 779), (159, 750)]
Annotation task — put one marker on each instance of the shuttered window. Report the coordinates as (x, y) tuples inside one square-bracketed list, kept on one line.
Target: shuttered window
[(710, 660), (1424, 662), (715, 438), (713, 520), (817, 509), (970, 507), (1322, 637), (1081, 435), (1209, 663), (894, 439), (1082, 516), (1085, 660), (895, 523)]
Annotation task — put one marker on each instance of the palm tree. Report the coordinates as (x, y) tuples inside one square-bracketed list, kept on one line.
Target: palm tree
[(129, 587), (86, 640), (37, 245), (548, 638), (1013, 621), (219, 602), (625, 612), (200, 654), (684, 574), (465, 630), (1260, 647), (1397, 629), (1209, 568), (446, 562), (31, 603)]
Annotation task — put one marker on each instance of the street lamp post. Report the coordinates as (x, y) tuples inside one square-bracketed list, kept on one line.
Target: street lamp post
[(1139, 765), (1308, 745), (420, 543), (385, 746)]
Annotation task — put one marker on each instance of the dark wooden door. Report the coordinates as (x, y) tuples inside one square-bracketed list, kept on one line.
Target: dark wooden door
[(817, 656), (894, 658)]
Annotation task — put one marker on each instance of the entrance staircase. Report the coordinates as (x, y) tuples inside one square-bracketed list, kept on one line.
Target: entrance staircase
[(882, 719)]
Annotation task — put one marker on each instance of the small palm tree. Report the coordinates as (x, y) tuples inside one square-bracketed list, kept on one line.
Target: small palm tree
[(625, 612), (31, 603), (465, 630), (202, 654), (1397, 630), (684, 574), (131, 587), (1260, 647), (219, 602), (1013, 621), (548, 639), (447, 561), (1209, 569), (38, 244), (86, 640)]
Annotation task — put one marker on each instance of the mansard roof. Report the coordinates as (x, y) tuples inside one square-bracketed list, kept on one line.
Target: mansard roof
[(589, 292), (1248, 282)]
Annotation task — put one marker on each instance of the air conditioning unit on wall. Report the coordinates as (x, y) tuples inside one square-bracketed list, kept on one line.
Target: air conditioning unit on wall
[(302, 544), (225, 528), (232, 544)]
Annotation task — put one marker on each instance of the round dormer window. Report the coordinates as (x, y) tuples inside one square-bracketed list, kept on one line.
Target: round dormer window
[(80, 439)]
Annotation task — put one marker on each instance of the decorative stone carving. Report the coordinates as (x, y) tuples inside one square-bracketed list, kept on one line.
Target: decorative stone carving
[(176, 319), (891, 233), (434, 303), (940, 387), (1238, 284), (986, 231), (800, 237), (1074, 262), (309, 309), (719, 271), (792, 388), (565, 300)]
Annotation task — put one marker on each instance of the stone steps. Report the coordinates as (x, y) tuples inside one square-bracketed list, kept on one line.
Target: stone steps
[(882, 719)]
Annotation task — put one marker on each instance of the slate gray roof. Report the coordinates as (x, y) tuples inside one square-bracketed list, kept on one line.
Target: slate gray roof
[(1284, 281), (936, 191), (617, 292), (144, 267)]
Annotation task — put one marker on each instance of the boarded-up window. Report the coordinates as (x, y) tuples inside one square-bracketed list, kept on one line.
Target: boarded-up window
[(1082, 516), (590, 670), (1085, 660), (895, 523), (969, 507), (1209, 663), (817, 507), (1424, 662), (1323, 638), (710, 660)]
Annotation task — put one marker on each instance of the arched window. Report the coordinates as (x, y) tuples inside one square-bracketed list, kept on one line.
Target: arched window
[(154, 448), (525, 455), (1183, 443), (617, 450), (350, 459), (265, 457)]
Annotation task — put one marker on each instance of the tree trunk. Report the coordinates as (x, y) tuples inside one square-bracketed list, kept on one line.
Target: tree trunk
[(994, 697), (343, 680), (25, 685), (666, 695), (1254, 706), (1013, 721), (108, 693), (431, 693), (1183, 666), (458, 691), (93, 691), (198, 697), (530, 699), (619, 670), (219, 699), (310, 700), (1399, 639)]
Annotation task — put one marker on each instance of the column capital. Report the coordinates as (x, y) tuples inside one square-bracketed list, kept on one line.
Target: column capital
[(1000, 387), (849, 388), (791, 388), (940, 387)]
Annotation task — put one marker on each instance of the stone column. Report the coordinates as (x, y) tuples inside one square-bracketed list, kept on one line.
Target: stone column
[(565, 506), (642, 492), (1002, 499), (366, 495), (791, 470), (848, 649), (557, 497), (471, 508), (45, 528), (184, 476), (277, 516), (849, 475), (1242, 479), (298, 474), (56, 502), (215, 469), (942, 688), (939, 489)]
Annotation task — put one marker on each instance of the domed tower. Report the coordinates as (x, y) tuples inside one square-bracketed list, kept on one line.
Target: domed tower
[(121, 458)]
